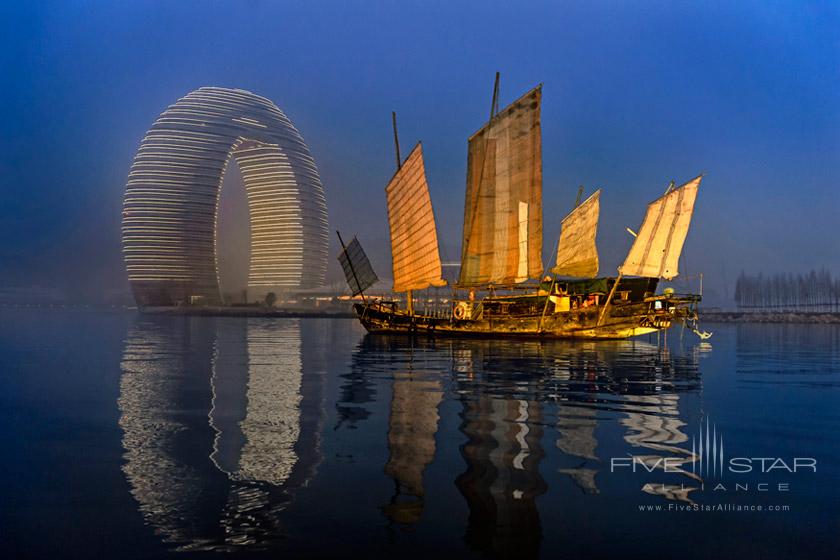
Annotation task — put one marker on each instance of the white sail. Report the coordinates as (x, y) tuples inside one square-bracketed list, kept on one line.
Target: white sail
[(656, 250), (577, 254)]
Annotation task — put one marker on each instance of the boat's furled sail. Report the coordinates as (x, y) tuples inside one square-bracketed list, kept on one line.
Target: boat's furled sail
[(357, 269), (577, 254), (656, 250), (502, 241), (414, 243)]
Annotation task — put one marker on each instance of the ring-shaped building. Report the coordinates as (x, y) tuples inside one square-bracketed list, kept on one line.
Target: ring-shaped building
[(170, 211)]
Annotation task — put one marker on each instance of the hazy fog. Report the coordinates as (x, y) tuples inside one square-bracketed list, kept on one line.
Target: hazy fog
[(634, 95)]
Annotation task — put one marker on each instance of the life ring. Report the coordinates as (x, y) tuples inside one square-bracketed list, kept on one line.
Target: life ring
[(460, 311)]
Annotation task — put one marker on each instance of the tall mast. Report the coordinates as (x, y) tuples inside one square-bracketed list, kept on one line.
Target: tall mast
[(494, 105), (408, 296), (396, 139)]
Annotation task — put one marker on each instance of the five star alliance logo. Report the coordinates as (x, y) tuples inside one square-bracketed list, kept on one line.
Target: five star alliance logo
[(708, 459), (707, 451)]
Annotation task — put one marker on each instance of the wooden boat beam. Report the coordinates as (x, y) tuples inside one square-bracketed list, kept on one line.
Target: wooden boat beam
[(609, 299)]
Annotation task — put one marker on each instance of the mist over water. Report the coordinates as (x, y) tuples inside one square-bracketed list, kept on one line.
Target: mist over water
[(306, 436), (632, 99)]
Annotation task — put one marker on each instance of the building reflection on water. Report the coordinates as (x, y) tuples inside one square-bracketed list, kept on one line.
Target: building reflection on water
[(223, 421), (212, 462)]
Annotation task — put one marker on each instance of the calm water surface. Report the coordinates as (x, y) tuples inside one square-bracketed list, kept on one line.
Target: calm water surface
[(144, 437)]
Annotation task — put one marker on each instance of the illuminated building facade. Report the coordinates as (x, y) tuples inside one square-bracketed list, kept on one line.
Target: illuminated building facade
[(172, 200)]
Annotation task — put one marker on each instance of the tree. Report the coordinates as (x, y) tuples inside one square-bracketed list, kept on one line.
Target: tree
[(270, 299)]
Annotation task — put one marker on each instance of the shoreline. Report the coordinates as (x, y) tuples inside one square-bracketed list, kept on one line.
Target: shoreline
[(779, 317), (288, 313)]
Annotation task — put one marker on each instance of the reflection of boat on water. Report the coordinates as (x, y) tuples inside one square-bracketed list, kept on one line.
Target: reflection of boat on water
[(658, 430), (641, 383), (220, 426), (502, 481), (416, 393), (503, 426), (576, 430), (357, 390), (519, 385), (412, 425)]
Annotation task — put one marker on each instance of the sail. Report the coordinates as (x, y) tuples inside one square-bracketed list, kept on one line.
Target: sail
[(502, 241), (656, 250), (577, 254), (357, 268), (414, 243)]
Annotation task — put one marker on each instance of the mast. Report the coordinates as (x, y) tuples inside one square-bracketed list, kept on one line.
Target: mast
[(396, 139), (494, 105), (408, 296)]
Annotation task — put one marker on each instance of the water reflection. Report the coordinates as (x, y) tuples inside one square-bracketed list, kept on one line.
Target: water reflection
[(576, 438), (357, 390), (502, 480), (412, 425), (512, 396), (224, 420), (211, 462), (794, 354)]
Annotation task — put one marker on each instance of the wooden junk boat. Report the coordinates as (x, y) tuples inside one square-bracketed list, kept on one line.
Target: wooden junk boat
[(507, 291)]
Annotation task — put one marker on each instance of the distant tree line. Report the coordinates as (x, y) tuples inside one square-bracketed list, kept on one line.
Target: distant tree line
[(814, 291)]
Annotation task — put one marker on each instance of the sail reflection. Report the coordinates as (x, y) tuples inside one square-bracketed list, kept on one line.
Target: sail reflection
[(576, 438), (640, 384), (503, 452), (412, 426), (218, 427), (502, 480), (516, 397)]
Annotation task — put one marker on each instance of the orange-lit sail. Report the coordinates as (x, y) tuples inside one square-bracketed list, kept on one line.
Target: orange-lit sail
[(577, 254), (502, 241), (414, 244), (656, 250)]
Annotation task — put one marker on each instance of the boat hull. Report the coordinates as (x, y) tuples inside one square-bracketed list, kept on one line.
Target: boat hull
[(619, 321)]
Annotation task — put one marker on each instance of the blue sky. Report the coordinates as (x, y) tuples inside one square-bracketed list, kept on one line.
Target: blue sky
[(635, 94)]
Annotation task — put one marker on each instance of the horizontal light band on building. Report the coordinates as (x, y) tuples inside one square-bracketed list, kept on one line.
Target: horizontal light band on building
[(171, 204)]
